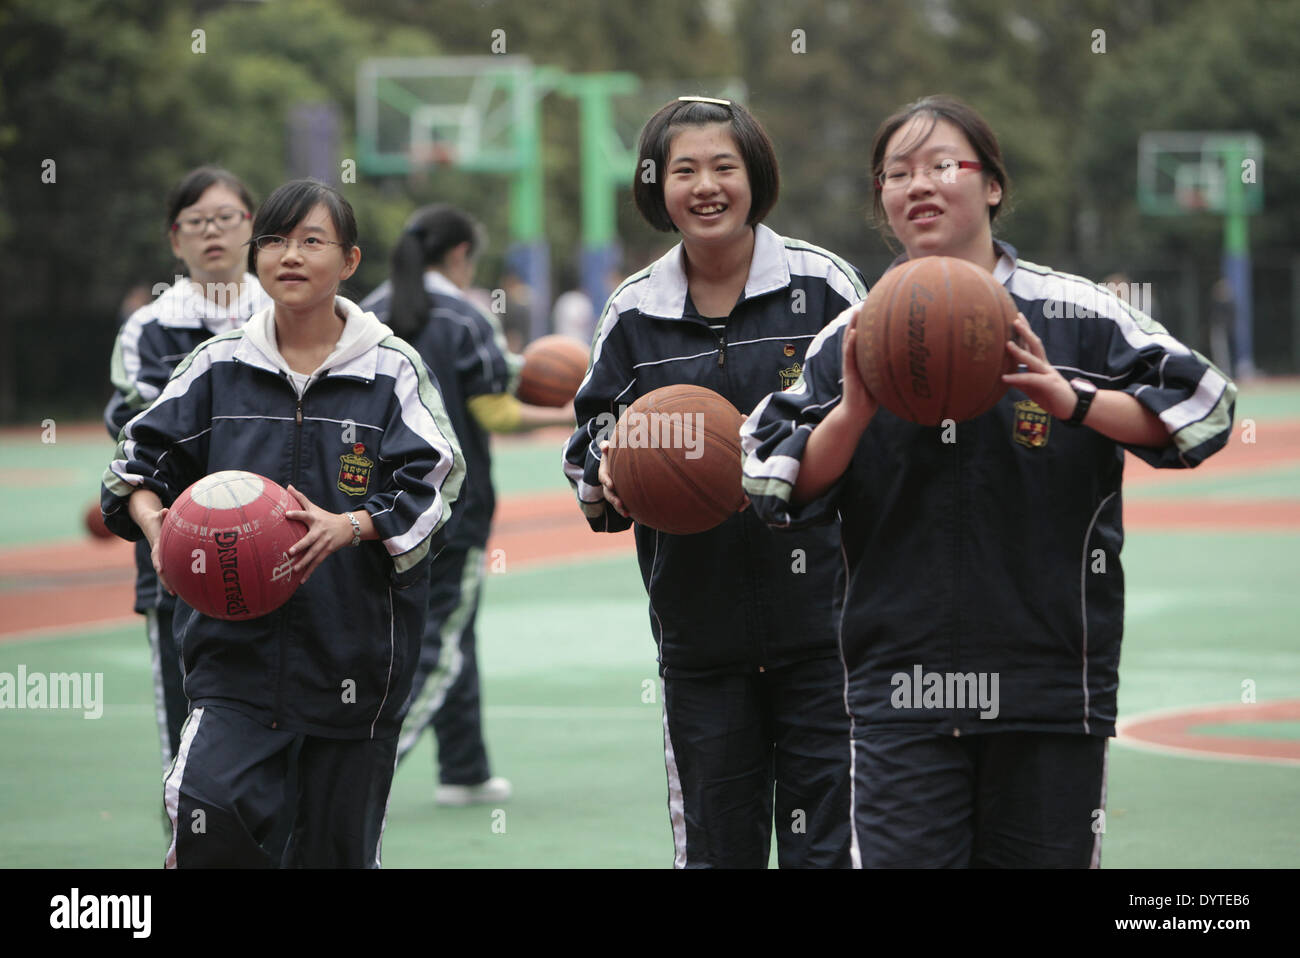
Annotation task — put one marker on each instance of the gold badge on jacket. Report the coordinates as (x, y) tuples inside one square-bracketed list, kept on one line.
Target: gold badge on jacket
[(1033, 424), (354, 471)]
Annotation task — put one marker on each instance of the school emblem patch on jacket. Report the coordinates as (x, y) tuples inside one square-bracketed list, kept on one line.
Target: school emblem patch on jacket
[(1032, 424), (790, 375), (354, 471)]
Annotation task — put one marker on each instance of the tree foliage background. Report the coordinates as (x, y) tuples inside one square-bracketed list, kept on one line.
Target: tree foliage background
[(115, 94)]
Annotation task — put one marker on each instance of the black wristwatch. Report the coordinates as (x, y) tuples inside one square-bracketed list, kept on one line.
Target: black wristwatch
[(1085, 391)]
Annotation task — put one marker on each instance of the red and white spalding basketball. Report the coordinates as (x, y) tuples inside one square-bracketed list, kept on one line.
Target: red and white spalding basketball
[(225, 545), (932, 340)]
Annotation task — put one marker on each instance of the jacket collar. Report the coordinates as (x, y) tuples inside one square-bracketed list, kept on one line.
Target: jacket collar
[(1006, 264), (1002, 269), (665, 291), (354, 353), (435, 282)]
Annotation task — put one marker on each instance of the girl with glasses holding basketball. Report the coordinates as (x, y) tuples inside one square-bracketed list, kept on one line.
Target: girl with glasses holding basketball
[(983, 555), (744, 617), (209, 222), (318, 396)]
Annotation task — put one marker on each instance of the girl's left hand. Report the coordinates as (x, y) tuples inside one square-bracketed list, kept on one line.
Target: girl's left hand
[(1039, 380), (327, 532)]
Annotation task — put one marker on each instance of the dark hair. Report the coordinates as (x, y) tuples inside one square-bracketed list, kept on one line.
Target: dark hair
[(430, 234), (285, 208), (657, 137), (941, 107), (196, 182)]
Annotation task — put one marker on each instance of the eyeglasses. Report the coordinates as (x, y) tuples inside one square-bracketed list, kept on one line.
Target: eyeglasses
[(940, 171), (270, 243), (226, 219)]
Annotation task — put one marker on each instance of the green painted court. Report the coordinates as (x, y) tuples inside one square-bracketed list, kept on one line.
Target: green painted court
[(572, 711)]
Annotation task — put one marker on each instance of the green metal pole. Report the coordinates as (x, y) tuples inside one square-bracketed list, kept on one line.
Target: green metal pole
[(607, 169), (606, 166), (1236, 260), (599, 219), (527, 210)]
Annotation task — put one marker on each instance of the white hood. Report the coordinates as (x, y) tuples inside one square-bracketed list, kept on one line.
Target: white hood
[(361, 333)]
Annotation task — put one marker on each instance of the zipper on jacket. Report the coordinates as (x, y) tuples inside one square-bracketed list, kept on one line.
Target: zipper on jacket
[(297, 440), (954, 645), (722, 349), (283, 613)]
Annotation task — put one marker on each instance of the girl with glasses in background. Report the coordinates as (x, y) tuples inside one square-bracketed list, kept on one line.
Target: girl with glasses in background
[(209, 222)]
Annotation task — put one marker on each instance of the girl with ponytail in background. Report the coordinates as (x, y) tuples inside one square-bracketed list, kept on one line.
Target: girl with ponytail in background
[(425, 303)]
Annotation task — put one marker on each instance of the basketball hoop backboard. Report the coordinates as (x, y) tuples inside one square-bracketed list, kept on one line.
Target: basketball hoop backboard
[(471, 112), (1191, 172)]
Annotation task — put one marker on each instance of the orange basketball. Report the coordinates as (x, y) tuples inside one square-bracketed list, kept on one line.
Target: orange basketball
[(675, 459), (95, 522), (932, 340), (553, 370)]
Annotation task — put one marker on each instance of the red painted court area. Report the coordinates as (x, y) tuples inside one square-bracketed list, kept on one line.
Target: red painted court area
[(90, 582), (1176, 732), (1275, 443)]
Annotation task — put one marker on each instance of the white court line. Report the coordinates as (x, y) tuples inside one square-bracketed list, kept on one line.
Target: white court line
[(1139, 745), (76, 630), (646, 713)]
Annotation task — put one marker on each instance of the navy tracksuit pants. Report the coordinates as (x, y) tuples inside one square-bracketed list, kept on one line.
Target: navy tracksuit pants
[(747, 752), (445, 692), (226, 794), (989, 800)]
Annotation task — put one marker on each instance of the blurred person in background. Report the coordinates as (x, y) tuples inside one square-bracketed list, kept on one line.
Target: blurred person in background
[(572, 313), (425, 302)]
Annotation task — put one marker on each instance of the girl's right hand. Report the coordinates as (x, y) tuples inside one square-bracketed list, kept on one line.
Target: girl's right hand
[(607, 481), (150, 522)]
